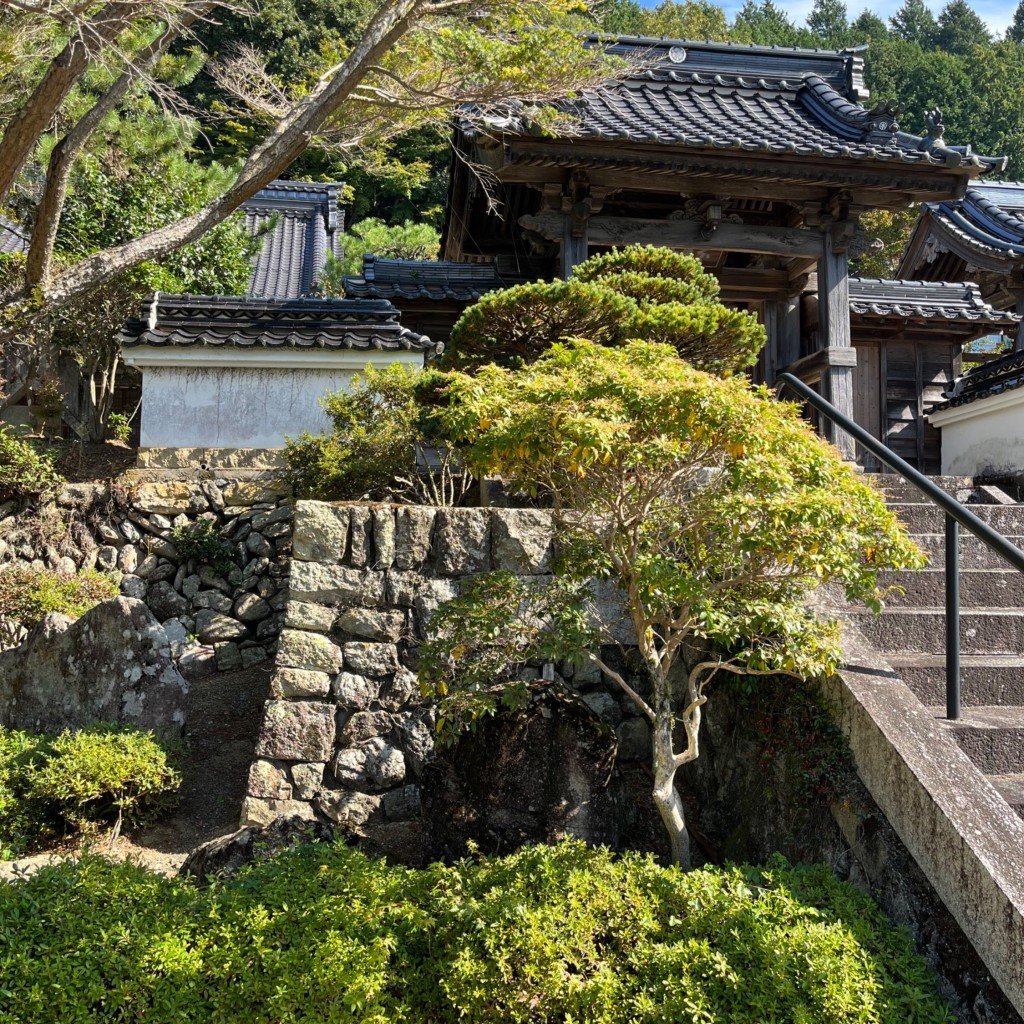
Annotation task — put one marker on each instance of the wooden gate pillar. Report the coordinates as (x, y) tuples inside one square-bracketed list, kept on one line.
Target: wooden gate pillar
[(834, 337)]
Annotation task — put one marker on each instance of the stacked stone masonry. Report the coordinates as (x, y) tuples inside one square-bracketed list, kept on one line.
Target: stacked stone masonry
[(215, 621), (347, 734)]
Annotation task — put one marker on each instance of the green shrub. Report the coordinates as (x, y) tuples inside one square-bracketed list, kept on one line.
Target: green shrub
[(26, 595), (380, 428), (100, 774), (201, 542), (323, 934), (640, 293), (120, 426), (25, 470)]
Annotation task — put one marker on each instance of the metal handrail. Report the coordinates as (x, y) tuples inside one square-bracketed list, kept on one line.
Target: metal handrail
[(957, 515)]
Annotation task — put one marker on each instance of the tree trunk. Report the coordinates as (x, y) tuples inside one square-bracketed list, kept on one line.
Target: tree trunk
[(666, 796)]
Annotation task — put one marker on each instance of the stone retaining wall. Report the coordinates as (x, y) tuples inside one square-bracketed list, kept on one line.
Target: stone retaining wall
[(347, 734), (214, 621)]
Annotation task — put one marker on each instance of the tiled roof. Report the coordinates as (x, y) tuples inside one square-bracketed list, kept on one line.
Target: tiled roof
[(419, 279), (988, 220), (748, 100), (307, 225), (929, 300), (1005, 374), (205, 320), (12, 239)]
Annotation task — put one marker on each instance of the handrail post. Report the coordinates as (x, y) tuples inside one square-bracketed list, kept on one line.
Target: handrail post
[(952, 618)]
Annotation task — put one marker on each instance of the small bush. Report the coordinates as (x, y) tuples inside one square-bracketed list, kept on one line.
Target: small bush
[(101, 774), (26, 595), (120, 427), (201, 542), (380, 431), (323, 935), (25, 470)]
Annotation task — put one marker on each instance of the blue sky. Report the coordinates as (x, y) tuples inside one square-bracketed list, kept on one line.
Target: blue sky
[(997, 14)]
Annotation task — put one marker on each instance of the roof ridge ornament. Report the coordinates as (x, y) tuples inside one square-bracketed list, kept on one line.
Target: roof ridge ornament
[(936, 129)]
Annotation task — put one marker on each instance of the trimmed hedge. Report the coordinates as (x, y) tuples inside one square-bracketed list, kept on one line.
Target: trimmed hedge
[(103, 774), (323, 934)]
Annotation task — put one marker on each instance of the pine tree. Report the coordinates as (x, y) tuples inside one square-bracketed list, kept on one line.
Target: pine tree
[(1015, 31), (867, 27)]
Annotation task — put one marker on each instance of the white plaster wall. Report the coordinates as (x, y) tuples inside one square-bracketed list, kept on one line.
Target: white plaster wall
[(237, 407), (985, 437)]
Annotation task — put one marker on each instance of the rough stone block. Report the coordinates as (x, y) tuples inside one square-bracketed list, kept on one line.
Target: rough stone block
[(431, 595), (251, 608), (268, 782), (228, 656), (213, 627), (369, 624), (374, 767), (335, 585), (353, 691), (404, 687), (605, 706), (383, 537), (347, 808), (413, 526), (634, 736), (462, 541), (297, 682), (320, 532), (311, 651), (296, 731), (402, 804), (364, 726), (371, 659), (307, 779), (360, 537), (417, 738), (521, 540), (313, 618), (258, 811), (213, 599), (168, 497)]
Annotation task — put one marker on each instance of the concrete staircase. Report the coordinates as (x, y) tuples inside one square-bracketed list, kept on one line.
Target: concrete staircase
[(910, 633)]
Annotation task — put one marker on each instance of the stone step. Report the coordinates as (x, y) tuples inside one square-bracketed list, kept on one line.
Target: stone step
[(985, 680), (973, 553), (929, 518), (923, 630), (1011, 789), (979, 588), (895, 488), (992, 737)]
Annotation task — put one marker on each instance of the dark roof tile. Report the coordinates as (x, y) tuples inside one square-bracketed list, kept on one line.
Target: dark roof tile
[(960, 301), (204, 320), (985, 381)]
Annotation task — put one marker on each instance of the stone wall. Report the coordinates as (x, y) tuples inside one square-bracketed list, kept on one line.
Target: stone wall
[(346, 735), (213, 621)]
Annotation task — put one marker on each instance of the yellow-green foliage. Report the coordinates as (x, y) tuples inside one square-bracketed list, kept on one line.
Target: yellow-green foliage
[(26, 595), (563, 934), (26, 470), (714, 506), (640, 292), (100, 774)]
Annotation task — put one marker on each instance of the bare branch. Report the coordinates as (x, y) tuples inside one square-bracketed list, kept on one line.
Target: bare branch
[(627, 689)]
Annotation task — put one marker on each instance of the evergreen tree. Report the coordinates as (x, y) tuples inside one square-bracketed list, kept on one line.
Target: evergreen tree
[(915, 23), (1015, 31), (960, 29), (622, 17), (692, 19), (829, 22), (868, 26), (765, 24)]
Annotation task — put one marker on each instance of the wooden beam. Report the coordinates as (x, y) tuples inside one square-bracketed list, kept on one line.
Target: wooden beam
[(683, 234), (754, 281), (834, 334)]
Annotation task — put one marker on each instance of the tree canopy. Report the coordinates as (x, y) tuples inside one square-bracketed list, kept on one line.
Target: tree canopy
[(710, 507)]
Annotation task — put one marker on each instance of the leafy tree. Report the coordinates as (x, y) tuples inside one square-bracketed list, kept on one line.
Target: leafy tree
[(915, 23), (828, 20), (866, 27), (408, 64), (960, 29), (711, 507), (622, 17), (765, 24), (691, 19), (638, 292), (893, 228)]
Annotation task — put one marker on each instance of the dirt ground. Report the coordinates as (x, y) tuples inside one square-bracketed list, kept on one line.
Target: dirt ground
[(223, 721), (88, 463)]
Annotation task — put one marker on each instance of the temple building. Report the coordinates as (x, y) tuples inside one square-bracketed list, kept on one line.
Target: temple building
[(759, 160)]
